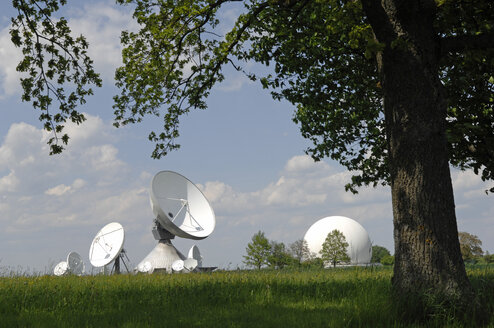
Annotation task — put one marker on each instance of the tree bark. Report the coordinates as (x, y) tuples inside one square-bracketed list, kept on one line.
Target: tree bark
[(427, 250)]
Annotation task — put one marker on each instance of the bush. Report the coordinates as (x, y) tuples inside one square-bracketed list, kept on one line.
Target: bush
[(313, 263), (388, 260), (378, 252)]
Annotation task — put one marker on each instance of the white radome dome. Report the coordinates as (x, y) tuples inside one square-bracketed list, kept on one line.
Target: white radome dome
[(359, 244)]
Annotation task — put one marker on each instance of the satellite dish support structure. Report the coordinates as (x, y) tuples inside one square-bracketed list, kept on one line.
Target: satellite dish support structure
[(175, 199), (116, 263)]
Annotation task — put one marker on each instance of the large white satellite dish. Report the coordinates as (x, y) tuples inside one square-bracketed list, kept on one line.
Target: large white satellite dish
[(75, 264), (61, 269), (180, 209), (107, 246)]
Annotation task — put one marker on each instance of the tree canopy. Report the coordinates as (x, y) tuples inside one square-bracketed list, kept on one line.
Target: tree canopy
[(378, 252), (53, 62), (470, 245), (258, 251), (279, 256), (323, 58), (334, 248), (300, 250)]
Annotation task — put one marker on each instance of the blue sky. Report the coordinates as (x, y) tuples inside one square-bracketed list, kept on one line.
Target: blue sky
[(244, 152)]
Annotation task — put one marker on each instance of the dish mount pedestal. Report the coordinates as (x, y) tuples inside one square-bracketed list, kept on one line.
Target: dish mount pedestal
[(163, 254)]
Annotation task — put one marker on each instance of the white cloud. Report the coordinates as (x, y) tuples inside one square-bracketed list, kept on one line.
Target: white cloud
[(58, 190), (78, 183), (62, 189), (305, 192), (10, 56), (20, 143), (9, 183), (302, 163), (235, 82), (468, 185), (88, 132), (102, 23), (38, 178)]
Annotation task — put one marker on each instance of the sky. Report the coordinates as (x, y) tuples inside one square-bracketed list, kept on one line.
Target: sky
[(244, 152)]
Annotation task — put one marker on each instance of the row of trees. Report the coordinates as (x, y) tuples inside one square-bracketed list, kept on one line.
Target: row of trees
[(261, 252)]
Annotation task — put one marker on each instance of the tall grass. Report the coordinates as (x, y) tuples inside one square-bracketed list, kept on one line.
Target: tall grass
[(351, 297)]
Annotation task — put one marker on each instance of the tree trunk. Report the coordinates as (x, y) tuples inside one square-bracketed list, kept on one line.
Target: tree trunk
[(427, 251)]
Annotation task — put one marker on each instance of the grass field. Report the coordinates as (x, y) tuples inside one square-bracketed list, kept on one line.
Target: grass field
[(352, 297)]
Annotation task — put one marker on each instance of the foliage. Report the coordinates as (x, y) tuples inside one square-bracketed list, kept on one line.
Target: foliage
[(388, 260), (279, 257), (53, 61), (300, 251), (324, 62), (378, 252), (467, 75), (258, 251), (334, 248), (489, 258), (486, 259), (355, 297), (470, 245), (313, 263)]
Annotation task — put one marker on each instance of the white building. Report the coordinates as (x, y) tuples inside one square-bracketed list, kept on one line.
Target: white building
[(359, 245)]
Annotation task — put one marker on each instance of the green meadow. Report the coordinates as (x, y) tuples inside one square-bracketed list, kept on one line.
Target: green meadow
[(351, 297)]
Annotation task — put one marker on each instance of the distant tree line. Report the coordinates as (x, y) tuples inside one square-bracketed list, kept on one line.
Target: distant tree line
[(382, 255), (265, 253), (261, 252), (471, 249)]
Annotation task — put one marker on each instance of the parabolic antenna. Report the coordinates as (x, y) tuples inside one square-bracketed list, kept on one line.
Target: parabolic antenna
[(190, 264), (145, 267), (180, 207), (194, 253), (178, 265), (61, 269), (107, 244), (75, 263)]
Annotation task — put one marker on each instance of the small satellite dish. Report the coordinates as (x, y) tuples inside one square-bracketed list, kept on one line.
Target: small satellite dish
[(61, 269), (145, 267), (107, 244), (180, 207), (194, 253), (75, 264), (178, 265), (190, 264)]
